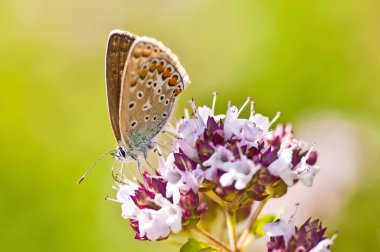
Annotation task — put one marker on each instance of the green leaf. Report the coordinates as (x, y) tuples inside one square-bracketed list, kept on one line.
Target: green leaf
[(257, 228), (194, 245)]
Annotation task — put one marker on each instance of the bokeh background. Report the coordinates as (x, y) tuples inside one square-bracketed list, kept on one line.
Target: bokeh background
[(316, 61)]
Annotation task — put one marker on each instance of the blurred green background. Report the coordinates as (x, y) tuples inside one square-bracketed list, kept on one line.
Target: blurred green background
[(303, 58)]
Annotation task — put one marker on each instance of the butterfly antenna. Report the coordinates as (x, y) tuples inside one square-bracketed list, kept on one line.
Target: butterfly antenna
[(93, 165)]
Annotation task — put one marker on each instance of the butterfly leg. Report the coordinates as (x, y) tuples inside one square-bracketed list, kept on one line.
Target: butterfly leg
[(122, 170), (139, 165), (142, 174), (164, 147), (116, 176), (146, 161)]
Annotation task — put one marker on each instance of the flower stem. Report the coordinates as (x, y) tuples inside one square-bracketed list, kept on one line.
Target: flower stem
[(215, 198), (212, 238), (251, 221), (231, 227)]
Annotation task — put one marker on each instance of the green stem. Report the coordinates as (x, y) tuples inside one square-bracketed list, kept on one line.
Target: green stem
[(216, 242), (231, 227), (215, 198), (251, 221)]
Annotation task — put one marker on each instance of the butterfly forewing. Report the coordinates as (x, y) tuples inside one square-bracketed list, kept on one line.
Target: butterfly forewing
[(152, 79), (119, 44)]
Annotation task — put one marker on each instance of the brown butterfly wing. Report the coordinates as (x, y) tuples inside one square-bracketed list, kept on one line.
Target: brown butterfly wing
[(153, 77), (119, 44)]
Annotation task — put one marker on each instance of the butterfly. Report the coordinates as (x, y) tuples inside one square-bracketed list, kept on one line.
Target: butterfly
[(144, 78)]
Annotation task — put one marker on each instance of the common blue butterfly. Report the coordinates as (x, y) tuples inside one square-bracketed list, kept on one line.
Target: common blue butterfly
[(143, 79)]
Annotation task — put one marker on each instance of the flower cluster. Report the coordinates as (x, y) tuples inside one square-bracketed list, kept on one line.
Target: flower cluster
[(153, 215), (286, 237), (241, 157), (231, 160)]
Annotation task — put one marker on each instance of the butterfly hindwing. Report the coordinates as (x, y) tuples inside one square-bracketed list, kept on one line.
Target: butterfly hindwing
[(152, 79)]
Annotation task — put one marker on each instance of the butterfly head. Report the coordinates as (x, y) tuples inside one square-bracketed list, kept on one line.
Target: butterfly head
[(120, 154), (123, 154)]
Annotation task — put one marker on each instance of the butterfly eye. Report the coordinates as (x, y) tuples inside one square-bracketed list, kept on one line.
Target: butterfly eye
[(154, 118), (156, 50), (164, 115), (167, 102), (162, 97), (122, 152), (159, 90), (146, 118)]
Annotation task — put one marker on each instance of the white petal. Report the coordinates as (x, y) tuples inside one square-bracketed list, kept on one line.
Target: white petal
[(287, 176), (322, 246), (306, 172), (261, 121), (282, 166), (124, 193), (227, 179), (188, 149), (217, 160), (280, 228), (129, 211), (240, 171), (204, 112), (277, 228)]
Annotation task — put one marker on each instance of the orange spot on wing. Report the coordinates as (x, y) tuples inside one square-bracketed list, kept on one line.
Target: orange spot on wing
[(160, 68), (166, 73), (177, 91), (173, 81), (134, 82), (152, 67), (143, 73), (147, 52), (136, 53)]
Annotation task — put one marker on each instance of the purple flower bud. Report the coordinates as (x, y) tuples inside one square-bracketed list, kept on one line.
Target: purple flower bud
[(287, 237), (312, 159)]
